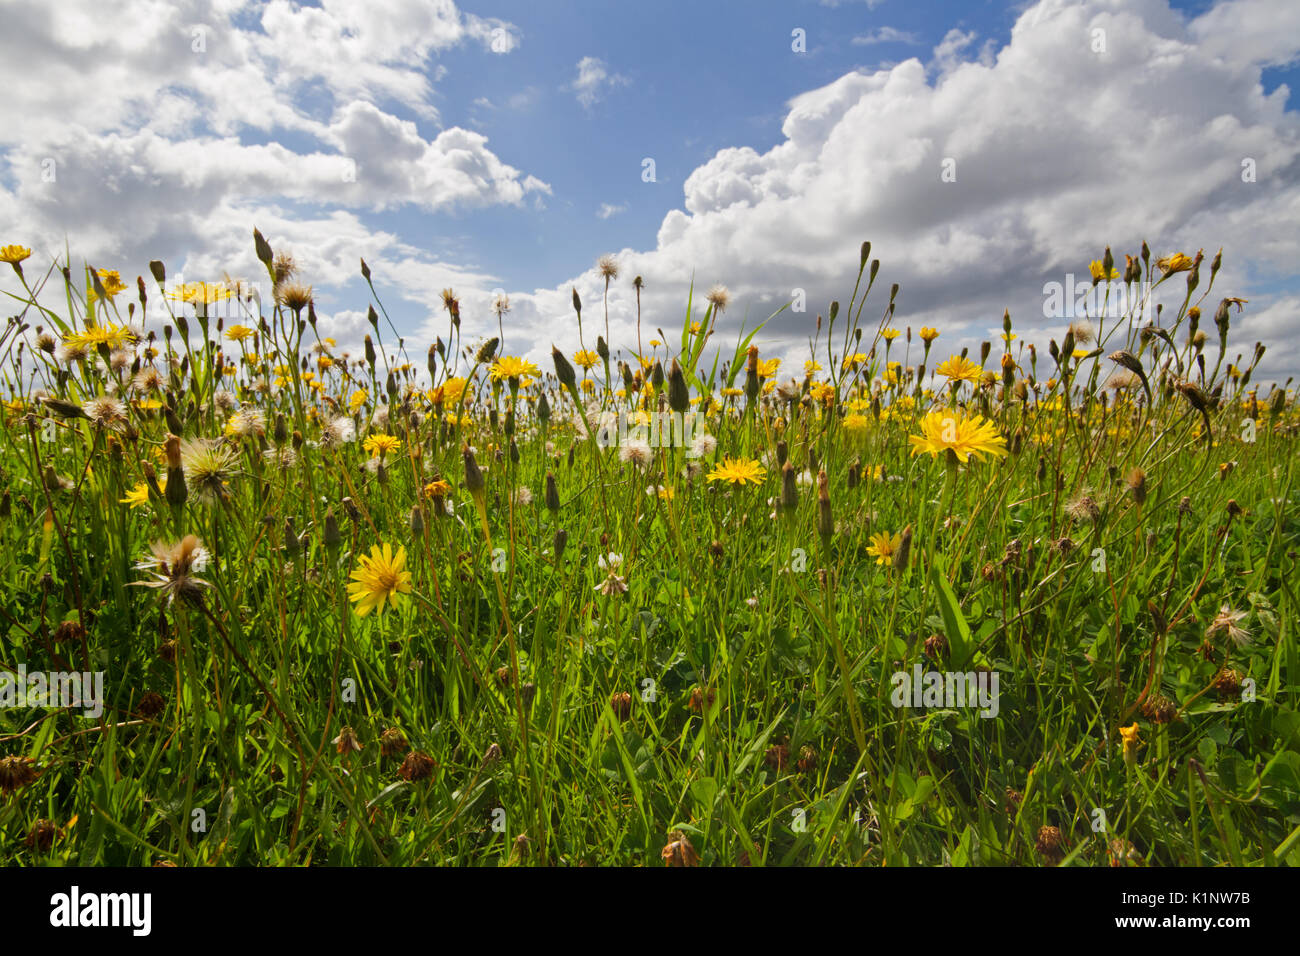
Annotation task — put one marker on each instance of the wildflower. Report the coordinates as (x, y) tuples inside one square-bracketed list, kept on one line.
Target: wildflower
[(1050, 843), (437, 489), (510, 367), (248, 421), (201, 293), (294, 297), (174, 567), (703, 445), (418, 765), (381, 577), (963, 435), (1084, 508), (854, 360), (928, 334), (1098, 271), (379, 444), (392, 743), (718, 297), (738, 471), (585, 359), (1227, 622), (105, 411), (1175, 263), (522, 497), (1129, 735), (613, 584), (679, 851), (768, 368), (884, 546), (209, 466), (14, 254), (856, 423), (959, 369), (347, 741), (15, 773), (607, 267), (635, 453), (138, 496), (337, 431), (239, 333)]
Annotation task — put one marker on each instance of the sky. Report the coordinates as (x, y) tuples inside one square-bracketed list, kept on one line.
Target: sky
[(985, 149)]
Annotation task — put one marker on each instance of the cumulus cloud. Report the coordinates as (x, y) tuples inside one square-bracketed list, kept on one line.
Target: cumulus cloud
[(1058, 151), (594, 80), (189, 117)]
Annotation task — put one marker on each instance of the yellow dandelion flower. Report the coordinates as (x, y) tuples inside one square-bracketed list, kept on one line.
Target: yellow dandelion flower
[(883, 545), (945, 430), (14, 254), (380, 444), (958, 368), (928, 334), (382, 576), (509, 366), (137, 497), (738, 471), (585, 359)]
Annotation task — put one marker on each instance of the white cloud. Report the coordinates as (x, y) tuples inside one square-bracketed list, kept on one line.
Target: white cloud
[(607, 210), (886, 35), (1059, 151), (594, 80)]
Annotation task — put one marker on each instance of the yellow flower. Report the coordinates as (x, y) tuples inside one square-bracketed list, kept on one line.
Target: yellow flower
[(1130, 737), (381, 577), (509, 366), (201, 293), (959, 369), (883, 545), (14, 254), (928, 334), (822, 392), (768, 369), (587, 386), (137, 497), (944, 430), (1175, 263), (112, 282), (856, 423), (854, 360), (448, 393), (1098, 270), (437, 489), (585, 359), (1079, 353), (379, 444), (810, 366), (358, 399), (738, 471), (238, 333), (93, 336), (890, 334)]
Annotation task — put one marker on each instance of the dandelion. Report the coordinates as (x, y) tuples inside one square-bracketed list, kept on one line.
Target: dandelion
[(510, 367), (105, 411), (958, 368), (884, 546), (1227, 621), (1129, 736), (585, 359), (15, 772), (738, 471), (14, 254), (248, 421), (337, 431), (240, 333), (635, 453), (963, 435), (137, 497), (379, 444), (382, 576), (174, 567), (928, 334), (703, 445), (1098, 270), (209, 466), (1175, 263), (856, 423), (522, 497), (718, 297)]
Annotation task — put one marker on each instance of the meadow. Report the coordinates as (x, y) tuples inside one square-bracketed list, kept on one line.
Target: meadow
[(448, 607)]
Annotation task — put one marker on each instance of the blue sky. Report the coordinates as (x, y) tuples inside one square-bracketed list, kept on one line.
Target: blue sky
[(487, 138)]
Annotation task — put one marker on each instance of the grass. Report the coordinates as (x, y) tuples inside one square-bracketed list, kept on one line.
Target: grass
[(610, 674)]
